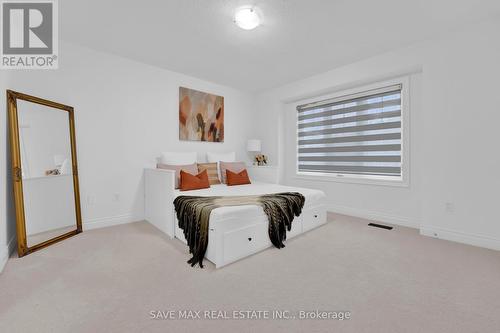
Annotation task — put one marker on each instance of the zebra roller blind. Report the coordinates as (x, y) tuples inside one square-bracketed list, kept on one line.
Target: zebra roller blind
[(354, 134)]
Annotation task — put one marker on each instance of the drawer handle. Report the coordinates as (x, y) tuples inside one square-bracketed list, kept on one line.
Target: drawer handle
[(249, 239)]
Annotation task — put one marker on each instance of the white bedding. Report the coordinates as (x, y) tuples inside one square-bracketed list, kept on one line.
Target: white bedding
[(313, 197)]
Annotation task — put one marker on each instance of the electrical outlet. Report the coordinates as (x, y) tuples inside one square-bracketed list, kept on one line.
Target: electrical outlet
[(449, 207), (116, 197)]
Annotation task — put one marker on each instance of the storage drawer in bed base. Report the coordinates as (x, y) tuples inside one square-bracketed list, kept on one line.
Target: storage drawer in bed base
[(234, 239)]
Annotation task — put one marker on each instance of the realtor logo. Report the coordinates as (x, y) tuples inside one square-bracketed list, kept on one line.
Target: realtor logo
[(29, 34)]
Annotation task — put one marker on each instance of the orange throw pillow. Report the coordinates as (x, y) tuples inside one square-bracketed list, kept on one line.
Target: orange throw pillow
[(192, 182), (240, 178)]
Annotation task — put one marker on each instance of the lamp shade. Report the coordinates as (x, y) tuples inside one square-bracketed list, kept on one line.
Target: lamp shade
[(253, 145), (59, 160)]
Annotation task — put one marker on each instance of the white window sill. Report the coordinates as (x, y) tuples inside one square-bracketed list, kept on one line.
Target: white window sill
[(353, 179)]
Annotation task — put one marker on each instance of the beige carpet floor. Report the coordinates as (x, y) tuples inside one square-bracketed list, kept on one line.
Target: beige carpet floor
[(108, 280)]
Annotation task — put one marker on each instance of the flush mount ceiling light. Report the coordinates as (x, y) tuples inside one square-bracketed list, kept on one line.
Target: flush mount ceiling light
[(247, 18)]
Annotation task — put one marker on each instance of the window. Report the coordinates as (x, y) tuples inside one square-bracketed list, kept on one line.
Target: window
[(357, 135)]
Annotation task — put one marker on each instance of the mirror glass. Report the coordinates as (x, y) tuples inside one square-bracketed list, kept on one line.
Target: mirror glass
[(47, 175)]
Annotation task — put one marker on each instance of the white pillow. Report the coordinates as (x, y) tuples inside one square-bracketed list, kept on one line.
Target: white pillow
[(174, 158), (221, 157)]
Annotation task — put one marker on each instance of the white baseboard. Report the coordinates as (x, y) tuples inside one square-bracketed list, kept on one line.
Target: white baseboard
[(461, 237), (5, 252), (103, 222), (435, 232), (372, 215)]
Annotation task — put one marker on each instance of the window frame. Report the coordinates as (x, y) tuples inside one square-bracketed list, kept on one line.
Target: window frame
[(401, 181)]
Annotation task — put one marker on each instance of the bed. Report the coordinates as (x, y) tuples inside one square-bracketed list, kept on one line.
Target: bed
[(234, 232)]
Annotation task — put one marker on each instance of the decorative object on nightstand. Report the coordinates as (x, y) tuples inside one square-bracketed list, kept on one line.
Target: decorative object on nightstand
[(254, 146), (52, 172), (62, 164), (261, 159)]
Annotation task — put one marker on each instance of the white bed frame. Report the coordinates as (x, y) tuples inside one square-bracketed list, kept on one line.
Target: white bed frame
[(230, 239)]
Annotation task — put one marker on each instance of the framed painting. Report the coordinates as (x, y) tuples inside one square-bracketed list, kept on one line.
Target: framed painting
[(201, 116)]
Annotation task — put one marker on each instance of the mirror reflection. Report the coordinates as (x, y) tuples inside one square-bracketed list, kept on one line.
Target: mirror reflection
[(47, 175)]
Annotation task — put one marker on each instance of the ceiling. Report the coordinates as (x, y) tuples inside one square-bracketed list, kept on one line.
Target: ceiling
[(297, 38)]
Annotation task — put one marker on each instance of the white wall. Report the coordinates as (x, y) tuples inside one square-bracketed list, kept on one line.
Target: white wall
[(126, 115), (462, 159), (454, 154)]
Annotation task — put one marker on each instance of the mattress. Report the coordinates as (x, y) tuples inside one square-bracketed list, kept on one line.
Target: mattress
[(313, 197)]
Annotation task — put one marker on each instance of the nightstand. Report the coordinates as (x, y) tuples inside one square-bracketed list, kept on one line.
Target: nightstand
[(266, 174)]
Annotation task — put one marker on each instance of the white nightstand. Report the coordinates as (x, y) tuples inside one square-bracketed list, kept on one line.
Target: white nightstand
[(267, 173)]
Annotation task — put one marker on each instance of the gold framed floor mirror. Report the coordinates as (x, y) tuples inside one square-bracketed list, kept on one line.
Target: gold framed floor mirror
[(44, 171)]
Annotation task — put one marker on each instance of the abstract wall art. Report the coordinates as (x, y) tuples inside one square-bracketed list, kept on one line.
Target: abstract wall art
[(201, 116)]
